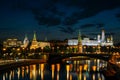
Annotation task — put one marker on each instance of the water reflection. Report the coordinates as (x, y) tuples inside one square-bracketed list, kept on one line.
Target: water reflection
[(58, 69), (74, 70), (42, 71)]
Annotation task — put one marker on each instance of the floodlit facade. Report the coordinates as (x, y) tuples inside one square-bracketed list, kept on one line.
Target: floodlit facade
[(35, 44), (43, 44), (12, 43), (101, 41)]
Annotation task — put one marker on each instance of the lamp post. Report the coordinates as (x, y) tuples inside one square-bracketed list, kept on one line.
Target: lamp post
[(93, 49), (14, 52), (57, 49), (84, 49), (23, 51), (42, 49), (18, 51), (98, 49), (4, 50), (53, 49), (67, 49), (108, 49)]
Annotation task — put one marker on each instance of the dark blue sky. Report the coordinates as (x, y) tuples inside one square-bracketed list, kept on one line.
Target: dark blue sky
[(58, 19)]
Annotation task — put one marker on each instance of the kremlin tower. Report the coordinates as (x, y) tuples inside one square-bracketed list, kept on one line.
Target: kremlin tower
[(79, 43), (34, 43)]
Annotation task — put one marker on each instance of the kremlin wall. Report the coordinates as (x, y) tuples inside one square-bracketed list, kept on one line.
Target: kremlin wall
[(78, 44), (100, 41)]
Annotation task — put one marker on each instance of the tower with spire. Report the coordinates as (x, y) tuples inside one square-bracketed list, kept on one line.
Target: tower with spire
[(79, 43), (34, 43)]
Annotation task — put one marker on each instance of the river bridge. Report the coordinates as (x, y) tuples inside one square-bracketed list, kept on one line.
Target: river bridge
[(58, 57)]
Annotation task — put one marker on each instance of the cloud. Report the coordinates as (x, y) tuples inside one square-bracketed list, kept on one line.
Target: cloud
[(91, 25), (48, 21), (70, 21), (100, 25), (113, 29), (87, 26), (108, 34), (65, 12), (68, 29), (118, 16)]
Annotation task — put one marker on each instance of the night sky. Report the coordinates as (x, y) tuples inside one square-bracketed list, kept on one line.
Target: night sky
[(59, 19)]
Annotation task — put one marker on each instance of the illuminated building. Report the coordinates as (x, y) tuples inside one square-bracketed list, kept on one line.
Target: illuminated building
[(35, 44), (43, 44), (100, 41), (12, 43)]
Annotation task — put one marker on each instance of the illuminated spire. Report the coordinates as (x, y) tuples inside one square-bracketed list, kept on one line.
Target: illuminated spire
[(34, 37), (103, 35), (79, 43), (34, 43), (79, 37)]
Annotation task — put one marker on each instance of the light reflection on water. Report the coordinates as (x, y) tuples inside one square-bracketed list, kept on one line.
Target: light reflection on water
[(73, 70)]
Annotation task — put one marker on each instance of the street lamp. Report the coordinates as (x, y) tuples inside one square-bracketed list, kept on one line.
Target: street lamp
[(18, 49), (4, 50), (93, 49), (108, 49), (67, 49), (84, 49), (57, 49), (52, 49), (99, 49), (42, 49)]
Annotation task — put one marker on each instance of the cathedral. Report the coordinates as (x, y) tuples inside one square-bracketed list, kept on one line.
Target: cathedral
[(25, 42)]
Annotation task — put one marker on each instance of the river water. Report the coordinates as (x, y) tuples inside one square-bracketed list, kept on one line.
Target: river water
[(68, 70)]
